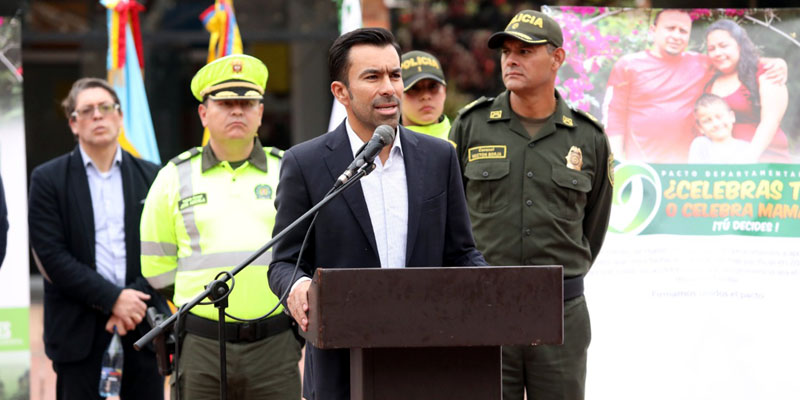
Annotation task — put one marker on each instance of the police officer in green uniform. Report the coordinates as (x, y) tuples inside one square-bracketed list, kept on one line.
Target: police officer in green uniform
[(424, 95), (538, 180), (208, 210)]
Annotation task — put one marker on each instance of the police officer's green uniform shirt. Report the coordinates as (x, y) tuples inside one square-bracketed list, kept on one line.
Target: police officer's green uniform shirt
[(439, 130), (202, 217), (528, 203)]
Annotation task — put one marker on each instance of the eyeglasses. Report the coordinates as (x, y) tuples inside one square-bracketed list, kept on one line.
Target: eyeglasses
[(88, 111)]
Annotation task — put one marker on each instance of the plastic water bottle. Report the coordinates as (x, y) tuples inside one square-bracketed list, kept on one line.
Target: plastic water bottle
[(111, 371)]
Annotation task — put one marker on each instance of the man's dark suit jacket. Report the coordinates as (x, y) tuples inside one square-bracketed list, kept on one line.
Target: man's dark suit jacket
[(62, 234), (439, 231)]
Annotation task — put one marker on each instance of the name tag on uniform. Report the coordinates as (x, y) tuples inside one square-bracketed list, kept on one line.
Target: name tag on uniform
[(194, 200), (486, 152)]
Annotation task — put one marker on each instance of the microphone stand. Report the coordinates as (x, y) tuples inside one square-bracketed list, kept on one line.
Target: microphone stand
[(218, 291)]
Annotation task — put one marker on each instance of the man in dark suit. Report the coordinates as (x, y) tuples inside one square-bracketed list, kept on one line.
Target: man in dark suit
[(84, 211), (409, 212)]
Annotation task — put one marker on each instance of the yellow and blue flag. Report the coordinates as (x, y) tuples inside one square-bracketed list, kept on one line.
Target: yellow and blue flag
[(125, 74)]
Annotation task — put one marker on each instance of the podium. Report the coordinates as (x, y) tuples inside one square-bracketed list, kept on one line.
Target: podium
[(433, 333)]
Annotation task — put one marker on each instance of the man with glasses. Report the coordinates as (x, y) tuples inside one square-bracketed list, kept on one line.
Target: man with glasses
[(209, 209), (84, 211)]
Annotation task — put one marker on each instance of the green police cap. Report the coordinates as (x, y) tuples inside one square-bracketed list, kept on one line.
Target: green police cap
[(237, 76), (419, 65), (531, 27)]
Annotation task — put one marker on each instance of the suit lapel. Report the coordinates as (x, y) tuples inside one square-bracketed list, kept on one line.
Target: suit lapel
[(337, 159), (82, 199), (413, 158), (131, 204)]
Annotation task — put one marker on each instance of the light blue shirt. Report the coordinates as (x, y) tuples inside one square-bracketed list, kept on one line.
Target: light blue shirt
[(386, 193), (108, 208)]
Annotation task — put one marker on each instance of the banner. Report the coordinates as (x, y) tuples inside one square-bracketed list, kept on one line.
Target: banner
[(694, 293), (14, 279)]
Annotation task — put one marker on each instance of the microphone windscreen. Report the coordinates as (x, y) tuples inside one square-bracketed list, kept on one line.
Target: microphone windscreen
[(386, 133)]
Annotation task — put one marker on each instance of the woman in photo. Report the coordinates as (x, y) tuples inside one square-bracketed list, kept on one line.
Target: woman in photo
[(759, 104)]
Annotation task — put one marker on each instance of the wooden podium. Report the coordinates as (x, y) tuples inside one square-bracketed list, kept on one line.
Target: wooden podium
[(433, 333)]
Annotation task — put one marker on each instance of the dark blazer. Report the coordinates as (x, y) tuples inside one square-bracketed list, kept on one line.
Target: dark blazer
[(439, 231), (61, 223)]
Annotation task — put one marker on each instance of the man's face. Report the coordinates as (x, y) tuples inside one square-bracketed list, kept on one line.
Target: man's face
[(723, 51), (231, 120), (716, 121), (423, 103), (527, 67), (671, 32), (375, 84), (97, 120)]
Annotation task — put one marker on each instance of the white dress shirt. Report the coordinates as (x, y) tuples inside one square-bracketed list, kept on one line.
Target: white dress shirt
[(108, 208), (386, 193)]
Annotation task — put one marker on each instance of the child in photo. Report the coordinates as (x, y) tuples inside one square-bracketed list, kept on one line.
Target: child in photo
[(715, 119)]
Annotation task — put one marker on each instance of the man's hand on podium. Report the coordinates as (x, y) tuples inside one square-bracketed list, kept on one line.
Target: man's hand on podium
[(298, 303)]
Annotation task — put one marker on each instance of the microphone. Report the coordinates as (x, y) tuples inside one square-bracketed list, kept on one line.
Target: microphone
[(383, 136)]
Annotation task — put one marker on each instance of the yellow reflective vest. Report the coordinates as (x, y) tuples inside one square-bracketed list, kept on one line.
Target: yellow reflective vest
[(439, 129), (197, 224)]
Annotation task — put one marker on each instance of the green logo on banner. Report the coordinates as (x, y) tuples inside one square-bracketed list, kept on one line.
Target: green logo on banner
[(14, 329), (637, 197)]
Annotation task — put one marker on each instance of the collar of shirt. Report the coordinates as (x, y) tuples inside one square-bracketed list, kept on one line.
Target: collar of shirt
[(256, 157), (87, 161), (356, 143)]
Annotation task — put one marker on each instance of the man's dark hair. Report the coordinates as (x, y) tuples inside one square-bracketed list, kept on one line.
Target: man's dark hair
[(80, 85), (339, 53), (663, 10)]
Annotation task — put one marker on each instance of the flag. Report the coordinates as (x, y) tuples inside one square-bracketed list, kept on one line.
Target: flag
[(220, 21), (349, 20), (125, 74)]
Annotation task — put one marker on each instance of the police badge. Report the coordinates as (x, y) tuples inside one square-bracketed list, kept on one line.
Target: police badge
[(574, 158)]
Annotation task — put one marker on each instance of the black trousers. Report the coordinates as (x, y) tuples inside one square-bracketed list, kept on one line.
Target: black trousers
[(81, 380)]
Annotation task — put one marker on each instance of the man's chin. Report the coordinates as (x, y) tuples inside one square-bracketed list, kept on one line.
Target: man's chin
[(391, 120), (674, 51)]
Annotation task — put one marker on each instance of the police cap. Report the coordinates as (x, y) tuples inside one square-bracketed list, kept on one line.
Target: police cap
[(237, 76), (419, 65), (531, 27)]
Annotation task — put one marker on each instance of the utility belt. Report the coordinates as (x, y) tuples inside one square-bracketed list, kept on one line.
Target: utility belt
[(238, 332), (573, 287)]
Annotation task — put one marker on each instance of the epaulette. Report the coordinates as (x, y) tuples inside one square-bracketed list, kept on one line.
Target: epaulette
[(276, 152), (186, 155), (591, 118), (481, 100)]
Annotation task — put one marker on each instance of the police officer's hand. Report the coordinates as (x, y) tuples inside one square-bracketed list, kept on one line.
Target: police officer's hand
[(117, 322), (298, 304), (130, 307)]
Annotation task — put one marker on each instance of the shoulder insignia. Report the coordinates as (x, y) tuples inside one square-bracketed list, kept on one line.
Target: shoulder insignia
[(589, 117), (276, 152), (496, 114), (186, 155), (610, 169), (481, 100)]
